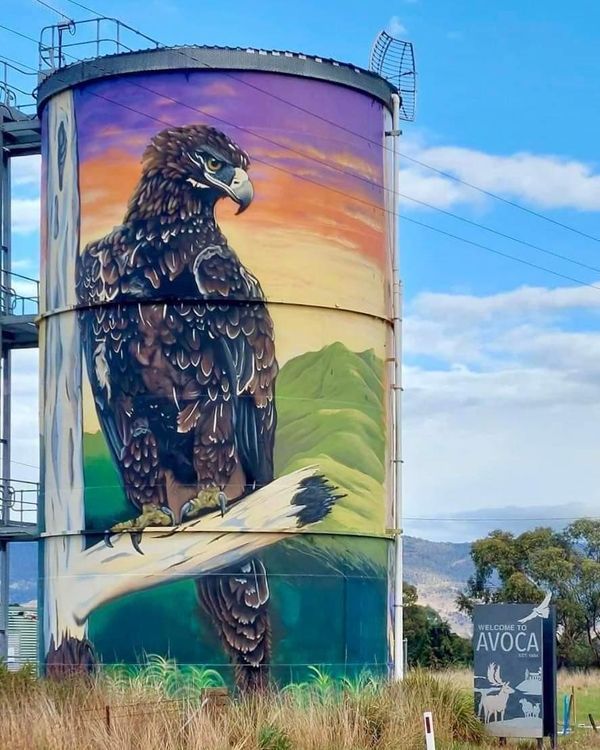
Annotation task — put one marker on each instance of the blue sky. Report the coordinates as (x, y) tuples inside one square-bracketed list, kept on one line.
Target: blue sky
[(502, 360)]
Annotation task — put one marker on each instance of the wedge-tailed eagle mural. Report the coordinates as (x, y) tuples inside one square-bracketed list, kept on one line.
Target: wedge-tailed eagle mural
[(215, 332)]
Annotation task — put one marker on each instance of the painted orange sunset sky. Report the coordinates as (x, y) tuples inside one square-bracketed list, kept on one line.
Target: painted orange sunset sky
[(315, 233)]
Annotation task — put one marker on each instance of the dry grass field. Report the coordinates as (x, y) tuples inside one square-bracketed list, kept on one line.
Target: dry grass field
[(321, 715)]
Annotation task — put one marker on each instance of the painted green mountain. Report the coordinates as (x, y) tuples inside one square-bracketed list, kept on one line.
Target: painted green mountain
[(331, 414)]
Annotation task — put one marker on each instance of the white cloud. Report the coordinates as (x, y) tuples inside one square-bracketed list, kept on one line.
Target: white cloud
[(25, 178), (23, 264), (25, 215), (438, 191), (24, 287), (505, 409), (395, 27), (25, 170), (524, 300), (24, 404), (543, 180)]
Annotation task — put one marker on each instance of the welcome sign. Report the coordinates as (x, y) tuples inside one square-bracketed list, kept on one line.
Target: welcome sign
[(514, 670)]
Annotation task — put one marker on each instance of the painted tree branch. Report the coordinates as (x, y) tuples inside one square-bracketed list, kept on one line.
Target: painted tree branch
[(61, 388), (102, 573)]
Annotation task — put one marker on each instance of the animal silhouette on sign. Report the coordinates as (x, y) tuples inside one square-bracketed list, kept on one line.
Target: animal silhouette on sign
[(494, 704), (180, 353), (530, 710)]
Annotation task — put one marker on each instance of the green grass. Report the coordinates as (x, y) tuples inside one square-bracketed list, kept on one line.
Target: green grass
[(587, 696)]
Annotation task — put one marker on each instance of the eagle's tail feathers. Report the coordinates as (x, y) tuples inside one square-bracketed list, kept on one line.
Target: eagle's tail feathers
[(237, 602)]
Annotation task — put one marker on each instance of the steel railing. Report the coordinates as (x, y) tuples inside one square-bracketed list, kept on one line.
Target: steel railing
[(16, 85), (19, 502), (19, 295), (93, 37)]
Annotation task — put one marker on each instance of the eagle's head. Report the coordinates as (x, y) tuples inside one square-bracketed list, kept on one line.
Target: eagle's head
[(200, 162)]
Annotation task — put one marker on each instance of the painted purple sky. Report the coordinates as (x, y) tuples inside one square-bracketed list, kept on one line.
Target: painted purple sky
[(153, 101)]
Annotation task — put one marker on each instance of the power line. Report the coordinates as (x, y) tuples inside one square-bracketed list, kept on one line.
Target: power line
[(17, 62), (344, 171), (52, 8), (498, 233), (341, 192), (514, 204), (448, 175), (85, 7), (22, 463), (381, 208), (18, 33), (501, 253)]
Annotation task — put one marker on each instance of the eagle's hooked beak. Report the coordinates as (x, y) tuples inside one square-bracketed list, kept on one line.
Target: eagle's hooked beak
[(240, 189)]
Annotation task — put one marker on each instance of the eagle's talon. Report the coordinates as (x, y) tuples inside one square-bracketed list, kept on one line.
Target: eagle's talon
[(206, 500), (136, 538), (151, 515), (107, 538), (222, 503)]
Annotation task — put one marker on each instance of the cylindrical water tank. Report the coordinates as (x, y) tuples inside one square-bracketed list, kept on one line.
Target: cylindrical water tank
[(215, 347)]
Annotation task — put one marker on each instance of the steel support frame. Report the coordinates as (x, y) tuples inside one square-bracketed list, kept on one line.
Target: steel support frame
[(19, 135), (5, 414)]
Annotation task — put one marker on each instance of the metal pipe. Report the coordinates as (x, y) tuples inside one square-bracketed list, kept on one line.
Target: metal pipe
[(6, 429), (397, 407), (5, 236), (4, 563), (6, 358)]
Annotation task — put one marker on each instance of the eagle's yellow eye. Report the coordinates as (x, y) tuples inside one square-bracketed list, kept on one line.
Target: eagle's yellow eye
[(213, 165)]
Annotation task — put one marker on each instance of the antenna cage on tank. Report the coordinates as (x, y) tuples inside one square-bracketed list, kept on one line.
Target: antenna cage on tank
[(394, 60)]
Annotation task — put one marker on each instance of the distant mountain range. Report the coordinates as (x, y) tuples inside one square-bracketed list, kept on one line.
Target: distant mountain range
[(468, 525), (439, 570)]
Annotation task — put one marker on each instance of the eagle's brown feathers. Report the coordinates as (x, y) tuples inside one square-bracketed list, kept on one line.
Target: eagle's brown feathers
[(180, 355)]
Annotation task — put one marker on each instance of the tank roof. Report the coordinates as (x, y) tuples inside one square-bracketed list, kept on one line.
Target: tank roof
[(216, 58)]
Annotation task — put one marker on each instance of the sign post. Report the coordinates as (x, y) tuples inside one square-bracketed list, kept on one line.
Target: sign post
[(549, 672), (515, 669), (429, 733)]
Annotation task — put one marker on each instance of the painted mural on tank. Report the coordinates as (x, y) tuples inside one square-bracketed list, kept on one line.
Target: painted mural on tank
[(225, 315)]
